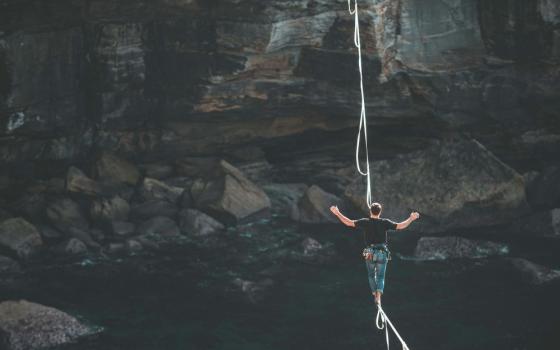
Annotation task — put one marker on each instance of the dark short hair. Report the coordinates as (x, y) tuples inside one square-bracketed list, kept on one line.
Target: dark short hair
[(375, 208)]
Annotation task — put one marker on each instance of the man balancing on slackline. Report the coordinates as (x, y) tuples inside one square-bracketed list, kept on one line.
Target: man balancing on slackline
[(376, 252)]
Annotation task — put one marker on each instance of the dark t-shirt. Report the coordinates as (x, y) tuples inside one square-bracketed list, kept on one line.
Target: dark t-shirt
[(375, 230)]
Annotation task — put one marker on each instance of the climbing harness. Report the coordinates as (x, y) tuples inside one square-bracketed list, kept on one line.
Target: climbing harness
[(381, 248), (381, 321)]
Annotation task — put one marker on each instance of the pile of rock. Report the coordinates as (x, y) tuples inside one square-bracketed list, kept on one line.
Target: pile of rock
[(119, 207)]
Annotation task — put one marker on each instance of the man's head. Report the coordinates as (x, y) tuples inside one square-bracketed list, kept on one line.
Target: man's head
[(375, 209)]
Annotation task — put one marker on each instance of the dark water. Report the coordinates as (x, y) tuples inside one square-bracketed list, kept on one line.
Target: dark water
[(166, 303)]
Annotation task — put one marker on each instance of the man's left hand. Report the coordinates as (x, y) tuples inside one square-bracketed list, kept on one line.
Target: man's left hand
[(334, 210)]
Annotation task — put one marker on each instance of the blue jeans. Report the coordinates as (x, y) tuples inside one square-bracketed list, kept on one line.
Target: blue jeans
[(376, 267)]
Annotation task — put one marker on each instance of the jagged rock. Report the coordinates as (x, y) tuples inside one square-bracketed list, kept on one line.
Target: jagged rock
[(284, 196), (149, 209), (438, 248), (115, 248), (153, 189), (83, 235), (534, 273), (196, 223), (111, 168), (64, 213), (229, 195), (133, 246), (157, 170), (254, 291), (75, 247), (107, 210), (146, 242), (159, 225), (20, 237), (542, 224), (313, 207), (311, 246), (8, 265), (78, 182), (451, 184), (28, 326), (313, 252)]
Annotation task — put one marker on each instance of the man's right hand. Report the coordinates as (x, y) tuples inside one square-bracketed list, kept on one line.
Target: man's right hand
[(414, 215)]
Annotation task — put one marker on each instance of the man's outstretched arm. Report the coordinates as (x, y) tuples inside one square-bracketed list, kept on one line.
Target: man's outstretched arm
[(404, 224), (342, 218)]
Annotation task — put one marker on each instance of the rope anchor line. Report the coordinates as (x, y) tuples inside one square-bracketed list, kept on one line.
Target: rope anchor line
[(381, 321)]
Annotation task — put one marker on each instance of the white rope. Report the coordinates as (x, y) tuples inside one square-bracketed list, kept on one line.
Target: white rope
[(382, 316), (381, 321), (362, 130)]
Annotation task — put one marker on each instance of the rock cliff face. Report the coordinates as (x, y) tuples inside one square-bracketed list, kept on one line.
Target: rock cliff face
[(274, 84), (187, 77)]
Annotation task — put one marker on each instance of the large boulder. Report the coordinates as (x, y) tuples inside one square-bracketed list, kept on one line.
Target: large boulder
[(20, 237), (283, 196), (439, 248), (534, 273), (78, 182), (314, 252), (64, 213), (111, 168), (153, 189), (83, 235), (452, 184), (228, 195), (74, 247), (541, 224), (107, 210), (29, 326), (313, 207), (196, 223)]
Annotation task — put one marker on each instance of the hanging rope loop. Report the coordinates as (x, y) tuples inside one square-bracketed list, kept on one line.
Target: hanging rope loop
[(362, 129)]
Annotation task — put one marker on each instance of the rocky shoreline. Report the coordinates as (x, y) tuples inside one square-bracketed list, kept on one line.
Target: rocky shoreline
[(120, 210)]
